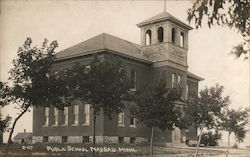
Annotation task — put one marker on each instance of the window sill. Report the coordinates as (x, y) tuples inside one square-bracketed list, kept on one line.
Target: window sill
[(121, 125), (45, 125), (85, 124), (74, 125), (132, 126), (54, 125), (64, 125), (133, 89)]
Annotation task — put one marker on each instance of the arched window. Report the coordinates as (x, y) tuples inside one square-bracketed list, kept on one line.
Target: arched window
[(160, 34), (173, 35), (182, 39), (148, 37)]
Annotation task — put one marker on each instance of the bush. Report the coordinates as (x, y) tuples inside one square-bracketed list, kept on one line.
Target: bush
[(210, 139)]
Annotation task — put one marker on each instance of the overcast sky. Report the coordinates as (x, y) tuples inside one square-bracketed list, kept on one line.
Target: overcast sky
[(71, 22)]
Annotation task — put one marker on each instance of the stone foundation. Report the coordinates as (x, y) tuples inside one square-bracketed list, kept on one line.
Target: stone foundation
[(37, 139), (79, 139), (98, 139), (141, 140), (110, 139), (127, 140), (75, 139), (55, 139)]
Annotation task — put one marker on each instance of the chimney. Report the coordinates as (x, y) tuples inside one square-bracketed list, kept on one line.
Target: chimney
[(24, 130)]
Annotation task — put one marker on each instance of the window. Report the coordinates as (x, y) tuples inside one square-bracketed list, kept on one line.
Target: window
[(87, 69), (120, 140), (160, 34), (148, 37), (64, 139), (121, 119), (86, 114), (85, 139), (179, 80), (65, 115), (121, 70), (182, 39), (46, 116), (173, 35), (187, 90), (122, 73), (173, 80), (76, 112), (55, 116), (132, 140), (132, 122), (45, 139), (133, 80)]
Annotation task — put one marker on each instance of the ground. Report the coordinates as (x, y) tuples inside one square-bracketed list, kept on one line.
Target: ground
[(41, 150)]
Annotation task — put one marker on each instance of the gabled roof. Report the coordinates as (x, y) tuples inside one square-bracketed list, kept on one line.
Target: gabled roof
[(23, 135), (189, 74), (163, 17), (103, 42)]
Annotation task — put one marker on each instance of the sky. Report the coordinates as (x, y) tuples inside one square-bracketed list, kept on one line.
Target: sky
[(72, 22)]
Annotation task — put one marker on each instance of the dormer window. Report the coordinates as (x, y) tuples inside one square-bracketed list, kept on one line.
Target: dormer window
[(182, 39), (160, 34), (173, 35), (148, 37)]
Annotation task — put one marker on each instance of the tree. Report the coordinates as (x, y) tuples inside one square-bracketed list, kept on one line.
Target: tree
[(4, 124), (102, 84), (232, 13), (29, 83), (210, 138), (154, 106), (235, 122), (205, 110)]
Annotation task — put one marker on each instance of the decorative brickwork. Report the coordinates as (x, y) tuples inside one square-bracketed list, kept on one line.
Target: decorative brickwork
[(74, 139), (37, 139), (55, 139)]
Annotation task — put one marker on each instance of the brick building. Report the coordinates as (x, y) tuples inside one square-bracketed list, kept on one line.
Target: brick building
[(161, 54)]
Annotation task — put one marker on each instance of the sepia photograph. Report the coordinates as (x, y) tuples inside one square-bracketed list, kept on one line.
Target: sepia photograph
[(125, 78)]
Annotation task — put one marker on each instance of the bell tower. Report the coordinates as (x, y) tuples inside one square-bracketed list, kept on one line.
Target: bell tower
[(164, 39)]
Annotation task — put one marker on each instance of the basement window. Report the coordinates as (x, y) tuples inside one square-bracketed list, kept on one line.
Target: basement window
[(132, 140), (64, 139), (121, 140), (85, 139)]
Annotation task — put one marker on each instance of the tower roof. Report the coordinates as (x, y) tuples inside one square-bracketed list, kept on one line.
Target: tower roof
[(163, 17)]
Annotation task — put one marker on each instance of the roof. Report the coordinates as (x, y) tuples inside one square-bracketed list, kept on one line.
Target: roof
[(163, 17), (109, 43), (23, 135), (103, 42), (189, 74)]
